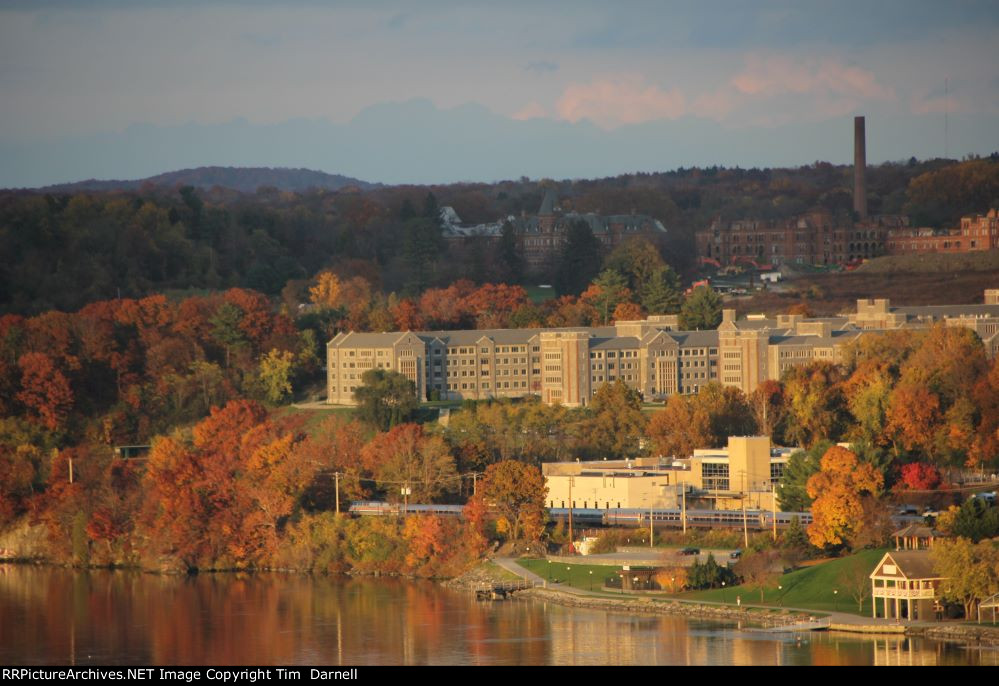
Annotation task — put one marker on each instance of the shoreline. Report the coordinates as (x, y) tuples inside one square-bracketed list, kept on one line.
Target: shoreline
[(646, 605), (965, 634)]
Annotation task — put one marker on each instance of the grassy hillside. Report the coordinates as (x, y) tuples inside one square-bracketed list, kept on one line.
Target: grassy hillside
[(811, 587), (933, 263)]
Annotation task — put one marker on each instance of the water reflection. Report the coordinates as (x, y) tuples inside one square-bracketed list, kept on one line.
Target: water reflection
[(52, 616)]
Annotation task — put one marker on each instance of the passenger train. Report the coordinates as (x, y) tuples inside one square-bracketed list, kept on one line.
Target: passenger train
[(753, 519), (625, 517)]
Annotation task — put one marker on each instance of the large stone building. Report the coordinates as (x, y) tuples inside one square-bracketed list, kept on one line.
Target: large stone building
[(976, 233), (816, 237), (540, 237), (569, 365)]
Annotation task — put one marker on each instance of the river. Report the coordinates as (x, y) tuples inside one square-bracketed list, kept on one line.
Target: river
[(52, 616)]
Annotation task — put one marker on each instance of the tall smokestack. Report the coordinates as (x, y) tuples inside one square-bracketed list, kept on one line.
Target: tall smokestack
[(859, 166)]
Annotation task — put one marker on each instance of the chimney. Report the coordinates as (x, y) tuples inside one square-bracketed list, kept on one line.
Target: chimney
[(859, 167)]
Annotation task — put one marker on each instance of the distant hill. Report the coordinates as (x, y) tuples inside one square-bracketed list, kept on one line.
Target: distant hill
[(242, 179)]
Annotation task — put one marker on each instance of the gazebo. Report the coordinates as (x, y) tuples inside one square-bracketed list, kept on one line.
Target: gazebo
[(906, 584), (914, 537), (990, 603)]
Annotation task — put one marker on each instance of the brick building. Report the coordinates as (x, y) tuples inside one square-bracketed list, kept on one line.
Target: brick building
[(976, 233), (816, 238), (540, 237)]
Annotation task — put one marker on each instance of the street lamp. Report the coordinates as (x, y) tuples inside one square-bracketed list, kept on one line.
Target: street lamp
[(724, 597), (591, 580), (836, 596), (780, 596)]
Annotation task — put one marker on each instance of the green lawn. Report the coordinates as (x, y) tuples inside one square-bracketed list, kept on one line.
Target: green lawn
[(313, 418), (575, 575), (498, 572), (811, 587)]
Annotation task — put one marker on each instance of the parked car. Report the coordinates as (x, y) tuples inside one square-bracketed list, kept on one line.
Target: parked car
[(690, 551)]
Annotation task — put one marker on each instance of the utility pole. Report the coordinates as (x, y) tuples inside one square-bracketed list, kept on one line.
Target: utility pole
[(683, 507), (650, 522), (571, 545), (337, 490), (773, 490), (745, 524)]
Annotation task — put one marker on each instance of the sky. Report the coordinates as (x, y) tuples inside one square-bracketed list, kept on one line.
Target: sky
[(433, 91)]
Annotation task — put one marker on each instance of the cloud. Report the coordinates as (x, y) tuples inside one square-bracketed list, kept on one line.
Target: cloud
[(777, 74), (397, 21), (715, 105), (531, 110), (541, 66), (613, 102)]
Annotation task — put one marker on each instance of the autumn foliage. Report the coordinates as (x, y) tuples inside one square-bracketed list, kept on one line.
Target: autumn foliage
[(920, 476), (844, 492)]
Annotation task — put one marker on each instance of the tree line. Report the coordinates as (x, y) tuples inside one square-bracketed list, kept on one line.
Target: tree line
[(65, 250)]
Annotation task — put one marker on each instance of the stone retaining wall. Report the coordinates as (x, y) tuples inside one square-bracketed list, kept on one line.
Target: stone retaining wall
[(647, 605)]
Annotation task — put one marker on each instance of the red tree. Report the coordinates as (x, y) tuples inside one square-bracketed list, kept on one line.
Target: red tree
[(920, 476), (45, 391)]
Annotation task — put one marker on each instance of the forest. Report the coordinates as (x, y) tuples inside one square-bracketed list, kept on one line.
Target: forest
[(187, 320), (64, 250)]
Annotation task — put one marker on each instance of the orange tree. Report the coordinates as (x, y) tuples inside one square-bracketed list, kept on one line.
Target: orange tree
[(515, 492), (845, 492)]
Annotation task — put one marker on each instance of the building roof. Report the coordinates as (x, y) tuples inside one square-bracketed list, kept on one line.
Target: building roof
[(912, 564), (916, 531), (369, 340), (548, 202), (834, 338), (755, 324), (695, 339), (940, 311), (473, 336), (615, 343)]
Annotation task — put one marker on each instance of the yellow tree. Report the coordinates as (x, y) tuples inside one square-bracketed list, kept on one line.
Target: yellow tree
[(326, 292), (971, 570), (516, 494), (845, 492)]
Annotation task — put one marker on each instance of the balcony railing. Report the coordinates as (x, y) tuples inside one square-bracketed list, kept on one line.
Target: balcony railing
[(913, 593)]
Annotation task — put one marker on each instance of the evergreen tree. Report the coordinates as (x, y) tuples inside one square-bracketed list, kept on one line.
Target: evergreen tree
[(509, 254), (660, 294), (385, 399), (701, 310), (407, 211), (608, 289), (802, 464), (422, 248), (431, 210), (580, 260)]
